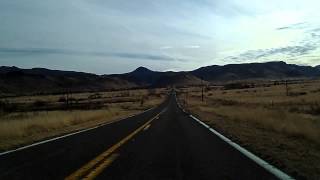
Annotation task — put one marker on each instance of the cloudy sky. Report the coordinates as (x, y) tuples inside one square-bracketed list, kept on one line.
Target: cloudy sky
[(115, 36)]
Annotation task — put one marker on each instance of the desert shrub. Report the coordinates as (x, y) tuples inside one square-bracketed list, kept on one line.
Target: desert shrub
[(95, 105), (275, 83), (158, 95), (6, 106), (2, 105), (152, 91), (315, 91), (142, 100), (294, 109), (225, 102), (124, 94), (126, 106), (72, 99), (315, 109), (39, 103), (238, 86), (95, 96), (297, 93), (62, 99)]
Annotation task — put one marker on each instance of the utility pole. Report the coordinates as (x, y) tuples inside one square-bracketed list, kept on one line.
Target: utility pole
[(202, 89), (67, 98), (287, 88), (186, 98)]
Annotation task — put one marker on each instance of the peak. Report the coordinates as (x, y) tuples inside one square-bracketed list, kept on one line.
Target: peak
[(142, 69), (9, 67), (38, 68), (276, 62)]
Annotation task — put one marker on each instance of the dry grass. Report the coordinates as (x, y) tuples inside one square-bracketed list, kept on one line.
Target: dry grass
[(84, 96), (291, 124), (20, 128), (282, 129)]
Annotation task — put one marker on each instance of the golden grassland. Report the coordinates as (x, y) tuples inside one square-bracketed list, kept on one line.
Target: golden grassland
[(18, 128), (284, 130), (138, 93)]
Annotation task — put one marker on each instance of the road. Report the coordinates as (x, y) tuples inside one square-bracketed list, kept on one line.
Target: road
[(162, 143)]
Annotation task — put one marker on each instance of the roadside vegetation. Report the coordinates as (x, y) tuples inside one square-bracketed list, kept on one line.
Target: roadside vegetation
[(28, 119), (279, 121)]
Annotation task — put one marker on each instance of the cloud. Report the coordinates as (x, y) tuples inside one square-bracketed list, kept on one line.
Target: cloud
[(43, 51), (301, 25), (283, 28), (192, 47), (166, 47), (288, 51), (303, 50), (141, 56), (183, 47), (316, 29)]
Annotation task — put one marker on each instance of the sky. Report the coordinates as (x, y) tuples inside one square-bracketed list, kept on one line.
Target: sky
[(117, 36)]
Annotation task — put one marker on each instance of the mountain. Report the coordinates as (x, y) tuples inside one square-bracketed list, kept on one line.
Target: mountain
[(268, 70), (148, 78), (141, 76), (176, 79), (14, 81), (17, 81)]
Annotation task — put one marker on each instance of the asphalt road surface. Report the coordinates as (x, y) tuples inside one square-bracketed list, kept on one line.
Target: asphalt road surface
[(162, 143)]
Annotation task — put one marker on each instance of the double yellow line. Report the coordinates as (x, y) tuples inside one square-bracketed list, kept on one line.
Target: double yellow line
[(94, 167)]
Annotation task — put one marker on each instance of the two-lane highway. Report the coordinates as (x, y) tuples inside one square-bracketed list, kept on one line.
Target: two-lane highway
[(163, 143)]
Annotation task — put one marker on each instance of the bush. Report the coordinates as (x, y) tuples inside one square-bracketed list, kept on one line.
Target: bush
[(6, 106), (95, 96), (315, 109), (2, 105), (238, 86), (39, 103), (62, 99), (297, 93), (294, 109), (152, 91)]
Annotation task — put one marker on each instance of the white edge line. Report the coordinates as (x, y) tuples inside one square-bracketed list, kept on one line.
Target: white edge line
[(70, 134), (278, 173), (270, 168)]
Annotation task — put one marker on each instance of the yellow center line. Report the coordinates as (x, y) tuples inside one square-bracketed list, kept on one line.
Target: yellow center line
[(103, 157), (147, 127), (94, 173)]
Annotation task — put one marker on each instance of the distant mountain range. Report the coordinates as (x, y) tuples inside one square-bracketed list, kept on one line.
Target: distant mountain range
[(268, 70), (15, 81)]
